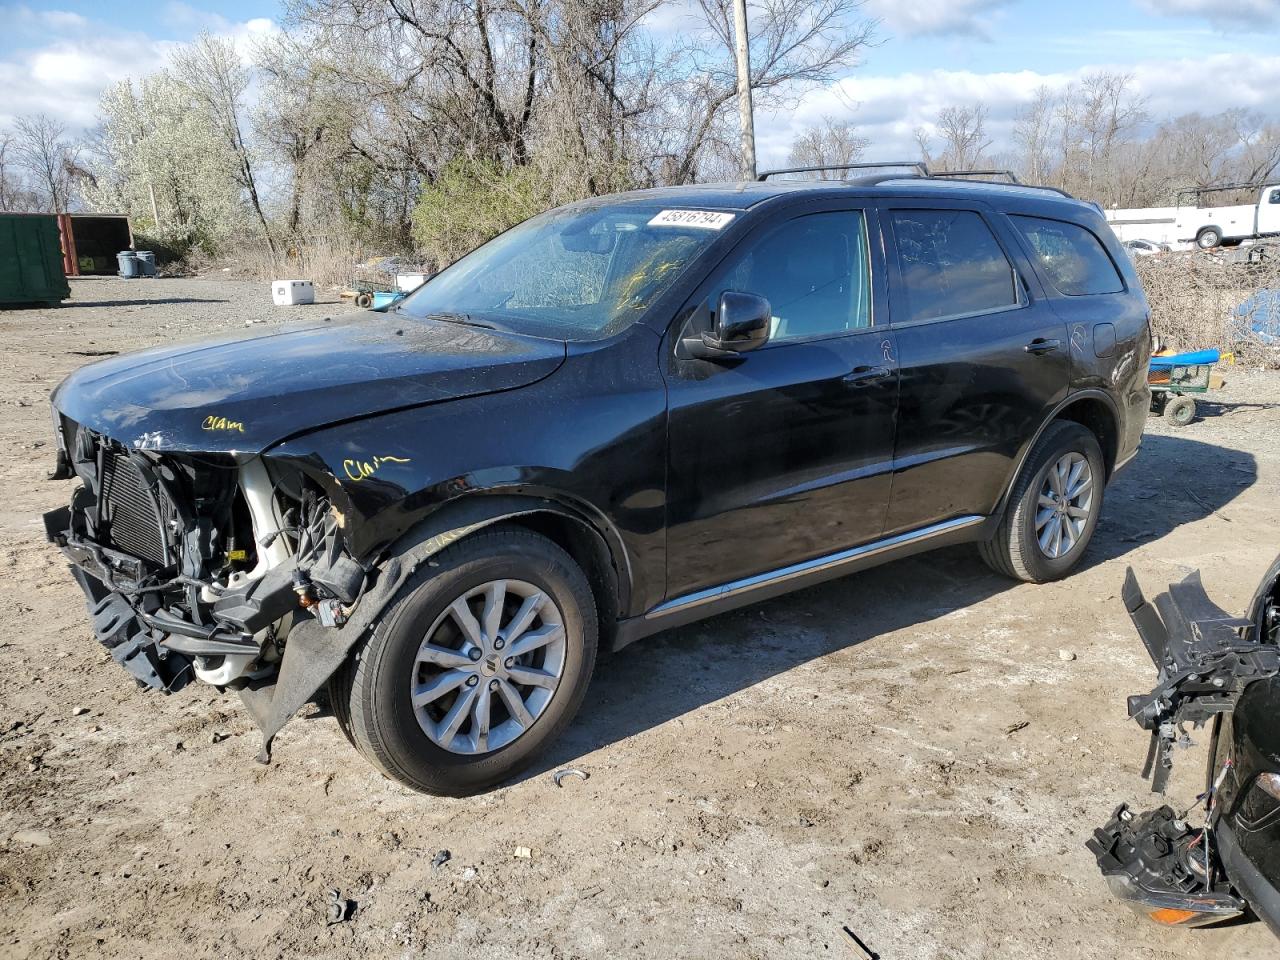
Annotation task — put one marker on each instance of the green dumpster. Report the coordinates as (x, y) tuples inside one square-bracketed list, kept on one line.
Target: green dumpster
[(31, 259)]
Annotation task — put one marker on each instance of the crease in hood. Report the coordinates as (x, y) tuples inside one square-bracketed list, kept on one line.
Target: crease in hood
[(243, 394)]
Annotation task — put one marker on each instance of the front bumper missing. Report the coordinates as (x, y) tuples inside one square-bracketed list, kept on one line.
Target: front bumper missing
[(154, 644), (1155, 862)]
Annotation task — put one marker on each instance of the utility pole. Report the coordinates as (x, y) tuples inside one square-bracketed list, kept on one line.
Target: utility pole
[(155, 213), (743, 55)]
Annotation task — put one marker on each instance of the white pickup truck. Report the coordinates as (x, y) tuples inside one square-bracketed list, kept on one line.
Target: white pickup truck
[(1210, 226)]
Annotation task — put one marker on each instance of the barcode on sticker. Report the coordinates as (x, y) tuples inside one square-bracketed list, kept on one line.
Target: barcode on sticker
[(705, 219)]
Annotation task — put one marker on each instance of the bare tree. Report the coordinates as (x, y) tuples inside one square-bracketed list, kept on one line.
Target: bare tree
[(1109, 113), (795, 45), (830, 143), (1033, 133), (212, 73), (14, 196), (42, 148), (1260, 145), (962, 131)]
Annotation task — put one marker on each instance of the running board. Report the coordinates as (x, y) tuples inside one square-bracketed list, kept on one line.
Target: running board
[(762, 586)]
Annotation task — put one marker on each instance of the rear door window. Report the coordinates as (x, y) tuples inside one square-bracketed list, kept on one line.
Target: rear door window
[(1072, 258), (951, 265)]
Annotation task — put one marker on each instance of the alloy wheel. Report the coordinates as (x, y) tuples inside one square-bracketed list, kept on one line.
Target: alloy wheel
[(1064, 505), (488, 666)]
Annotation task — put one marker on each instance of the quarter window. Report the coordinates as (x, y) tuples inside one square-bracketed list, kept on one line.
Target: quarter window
[(1073, 258), (951, 265), (812, 270)]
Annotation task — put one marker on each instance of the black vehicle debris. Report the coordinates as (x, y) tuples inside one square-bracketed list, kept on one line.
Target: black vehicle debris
[(1212, 667)]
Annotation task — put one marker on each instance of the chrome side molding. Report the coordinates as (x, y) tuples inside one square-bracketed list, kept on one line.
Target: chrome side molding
[(816, 565)]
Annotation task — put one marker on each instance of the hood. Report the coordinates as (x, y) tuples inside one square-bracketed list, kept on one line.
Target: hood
[(244, 394)]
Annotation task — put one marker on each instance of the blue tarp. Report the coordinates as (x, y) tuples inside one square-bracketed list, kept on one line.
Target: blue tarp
[(1260, 315)]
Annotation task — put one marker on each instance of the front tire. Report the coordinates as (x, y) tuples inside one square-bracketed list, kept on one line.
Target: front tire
[(1053, 508), (476, 668)]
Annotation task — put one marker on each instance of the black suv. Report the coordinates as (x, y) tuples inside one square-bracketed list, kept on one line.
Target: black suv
[(620, 416)]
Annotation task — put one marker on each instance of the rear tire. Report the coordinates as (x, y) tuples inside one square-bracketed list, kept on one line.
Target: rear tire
[(1023, 547), (1208, 238), (374, 694)]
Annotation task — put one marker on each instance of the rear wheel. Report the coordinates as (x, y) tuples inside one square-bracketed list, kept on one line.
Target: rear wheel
[(478, 666), (1053, 509), (1208, 238)]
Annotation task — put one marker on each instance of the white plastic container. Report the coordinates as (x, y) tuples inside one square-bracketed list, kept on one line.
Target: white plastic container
[(290, 293), (409, 282)]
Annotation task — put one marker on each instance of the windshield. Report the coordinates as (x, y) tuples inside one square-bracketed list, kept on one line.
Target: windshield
[(581, 273)]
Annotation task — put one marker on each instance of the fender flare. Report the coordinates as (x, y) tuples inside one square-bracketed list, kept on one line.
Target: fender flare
[(1025, 452)]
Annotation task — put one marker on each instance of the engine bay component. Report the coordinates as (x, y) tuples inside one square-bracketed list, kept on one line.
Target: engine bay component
[(190, 564)]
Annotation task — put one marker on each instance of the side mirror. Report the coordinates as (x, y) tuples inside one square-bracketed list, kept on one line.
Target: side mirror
[(741, 324)]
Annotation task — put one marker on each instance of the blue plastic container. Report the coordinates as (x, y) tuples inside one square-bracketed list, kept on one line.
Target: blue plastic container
[(385, 300), (128, 261), (1197, 358), (146, 262)]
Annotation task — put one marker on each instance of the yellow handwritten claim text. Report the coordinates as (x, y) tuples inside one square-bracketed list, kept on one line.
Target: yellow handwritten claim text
[(222, 423), (358, 470)]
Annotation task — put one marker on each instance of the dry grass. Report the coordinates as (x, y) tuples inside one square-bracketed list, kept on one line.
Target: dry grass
[(1193, 297), (330, 262)]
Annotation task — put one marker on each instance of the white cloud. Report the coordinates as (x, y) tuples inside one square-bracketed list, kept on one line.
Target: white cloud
[(889, 109), (1226, 13), (927, 17), (64, 76)]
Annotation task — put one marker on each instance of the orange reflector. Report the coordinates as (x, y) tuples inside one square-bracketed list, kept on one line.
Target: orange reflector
[(1171, 916)]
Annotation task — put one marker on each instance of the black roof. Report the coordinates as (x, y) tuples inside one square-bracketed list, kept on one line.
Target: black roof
[(745, 195)]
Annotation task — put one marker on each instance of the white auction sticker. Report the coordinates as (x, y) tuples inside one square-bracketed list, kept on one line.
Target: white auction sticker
[(705, 219)]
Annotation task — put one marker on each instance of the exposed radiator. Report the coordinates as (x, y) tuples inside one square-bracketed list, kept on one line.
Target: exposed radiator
[(131, 522)]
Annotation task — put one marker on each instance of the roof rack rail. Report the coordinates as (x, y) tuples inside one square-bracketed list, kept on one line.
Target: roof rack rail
[(1013, 177), (1014, 181), (917, 165), (919, 169)]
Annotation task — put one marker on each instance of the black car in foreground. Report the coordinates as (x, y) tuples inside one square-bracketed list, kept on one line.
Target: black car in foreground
[(1217, 668), (618, 417)]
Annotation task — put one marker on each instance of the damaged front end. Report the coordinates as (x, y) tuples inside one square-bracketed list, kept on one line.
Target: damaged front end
[(1207, 660), (203, 566)]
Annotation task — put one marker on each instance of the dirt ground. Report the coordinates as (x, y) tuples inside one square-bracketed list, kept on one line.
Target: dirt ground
[(905, 752)]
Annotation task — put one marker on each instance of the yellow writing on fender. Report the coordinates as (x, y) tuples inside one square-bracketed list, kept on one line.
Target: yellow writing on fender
[(222, 423), (360, 469)]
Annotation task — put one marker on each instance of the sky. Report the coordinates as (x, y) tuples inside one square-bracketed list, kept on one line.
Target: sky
[(1184, 55)]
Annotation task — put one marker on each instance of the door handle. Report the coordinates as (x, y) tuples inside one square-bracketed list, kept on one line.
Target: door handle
[(1040, 346), (861, 376)]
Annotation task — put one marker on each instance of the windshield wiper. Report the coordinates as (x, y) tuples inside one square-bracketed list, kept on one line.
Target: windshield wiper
[(460, 318)]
